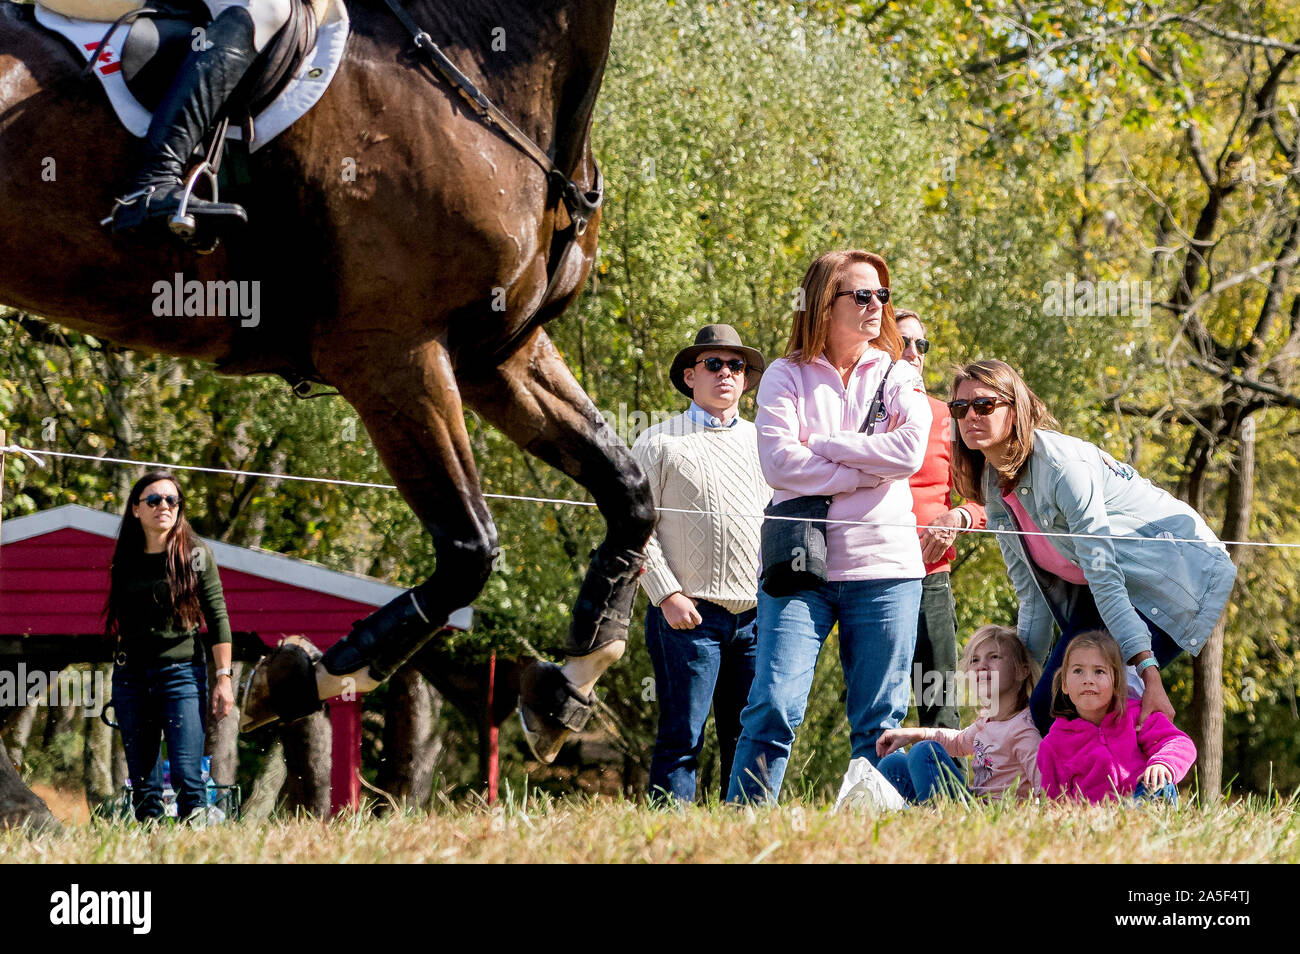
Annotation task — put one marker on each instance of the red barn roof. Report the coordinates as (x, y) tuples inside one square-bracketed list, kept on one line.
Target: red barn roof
[(54, 580)]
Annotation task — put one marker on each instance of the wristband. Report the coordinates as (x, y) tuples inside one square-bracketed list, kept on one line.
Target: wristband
[(1146, 664), (225, 671)]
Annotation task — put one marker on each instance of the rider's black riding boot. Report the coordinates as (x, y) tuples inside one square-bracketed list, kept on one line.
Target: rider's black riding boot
[(184, 117)]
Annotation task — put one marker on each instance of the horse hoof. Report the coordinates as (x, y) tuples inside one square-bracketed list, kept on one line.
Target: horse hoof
[(282, 685), (543, 741), (550, 709)]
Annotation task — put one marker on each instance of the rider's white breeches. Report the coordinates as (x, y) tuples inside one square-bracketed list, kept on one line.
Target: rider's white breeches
[(268, 16)]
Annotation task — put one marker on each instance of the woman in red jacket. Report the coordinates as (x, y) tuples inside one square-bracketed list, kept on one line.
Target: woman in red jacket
[(932, 504)]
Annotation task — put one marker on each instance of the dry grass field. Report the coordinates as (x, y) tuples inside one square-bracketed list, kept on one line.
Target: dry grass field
[(535, 829)]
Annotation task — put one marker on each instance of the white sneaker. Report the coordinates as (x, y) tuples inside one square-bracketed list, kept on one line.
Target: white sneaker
[(865, 789)]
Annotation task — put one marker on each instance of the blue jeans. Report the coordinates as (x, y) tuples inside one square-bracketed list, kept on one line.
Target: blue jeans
[(1165, 793), (936, 648), (153, 702), (710, 664), (877, 620), (923, 772), (1085, 618)]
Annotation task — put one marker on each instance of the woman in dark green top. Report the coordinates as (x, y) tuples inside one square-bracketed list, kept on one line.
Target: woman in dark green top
[(164, 583)]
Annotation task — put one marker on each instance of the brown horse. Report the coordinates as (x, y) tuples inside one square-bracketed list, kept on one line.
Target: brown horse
[(406, 253)]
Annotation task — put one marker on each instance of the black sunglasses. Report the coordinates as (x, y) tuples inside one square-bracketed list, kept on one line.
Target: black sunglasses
[(922, 344), (153, 500), (982, 406), (862, 296), (734, 365)]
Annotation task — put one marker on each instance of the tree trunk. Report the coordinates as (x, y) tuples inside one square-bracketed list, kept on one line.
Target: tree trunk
[(97, 754), (266, 787), (20, 732), (1207, 669), (307, 759), (223, 736), (120, 771), (18, 805), (411, 740), (60, 720)]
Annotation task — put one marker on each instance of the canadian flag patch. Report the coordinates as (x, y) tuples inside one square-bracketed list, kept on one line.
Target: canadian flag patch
[(108, 62)]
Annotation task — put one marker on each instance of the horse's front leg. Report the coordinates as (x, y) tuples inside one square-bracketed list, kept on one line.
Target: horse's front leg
[(408, 400), (534, 400)]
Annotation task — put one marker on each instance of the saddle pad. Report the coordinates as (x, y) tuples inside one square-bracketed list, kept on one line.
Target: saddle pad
[(302, 93), (106, 11), (103, 10)]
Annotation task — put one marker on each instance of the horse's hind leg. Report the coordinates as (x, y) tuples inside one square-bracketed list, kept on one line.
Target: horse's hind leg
[(410, 405), (534, 399)]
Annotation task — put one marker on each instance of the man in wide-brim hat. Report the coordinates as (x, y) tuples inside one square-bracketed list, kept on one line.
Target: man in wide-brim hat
[(701, 569), (715, 338)]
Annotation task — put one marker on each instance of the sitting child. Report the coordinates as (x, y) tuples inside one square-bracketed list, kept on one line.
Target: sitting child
[(1095, 750), (1003, 742)]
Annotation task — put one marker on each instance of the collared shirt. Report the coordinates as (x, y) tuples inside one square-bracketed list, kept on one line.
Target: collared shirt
[(712, 553), (705, 419)]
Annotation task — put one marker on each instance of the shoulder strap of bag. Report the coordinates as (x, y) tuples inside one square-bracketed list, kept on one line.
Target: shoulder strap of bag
[(877, 403)]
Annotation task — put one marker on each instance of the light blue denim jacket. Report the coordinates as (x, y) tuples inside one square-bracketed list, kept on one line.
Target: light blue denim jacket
[(1071, 486)]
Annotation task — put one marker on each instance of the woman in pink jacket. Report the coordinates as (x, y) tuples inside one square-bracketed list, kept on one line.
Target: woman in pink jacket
[(811, 406), (1095, 749)]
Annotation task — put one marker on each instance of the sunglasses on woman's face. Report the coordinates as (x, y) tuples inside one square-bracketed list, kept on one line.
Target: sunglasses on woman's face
[(982, 406), (714, 365), (155, 500), (862, 296), (922, 344)]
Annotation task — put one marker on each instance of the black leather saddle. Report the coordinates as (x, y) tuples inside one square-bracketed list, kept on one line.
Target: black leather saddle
[(160, 37)]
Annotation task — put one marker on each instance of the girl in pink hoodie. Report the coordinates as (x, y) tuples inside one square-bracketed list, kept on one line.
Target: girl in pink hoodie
[(1095, 749)]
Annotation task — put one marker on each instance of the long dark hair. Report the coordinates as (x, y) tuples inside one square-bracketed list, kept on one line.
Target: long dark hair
[(182, 581)]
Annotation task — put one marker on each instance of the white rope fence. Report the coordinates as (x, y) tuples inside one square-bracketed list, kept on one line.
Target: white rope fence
[(37, 455)]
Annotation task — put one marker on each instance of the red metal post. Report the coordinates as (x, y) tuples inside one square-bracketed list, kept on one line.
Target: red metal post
[(345, 779), (493, 766)]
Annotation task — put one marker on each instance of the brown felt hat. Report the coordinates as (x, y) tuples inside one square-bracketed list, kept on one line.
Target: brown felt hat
[(710, 338)]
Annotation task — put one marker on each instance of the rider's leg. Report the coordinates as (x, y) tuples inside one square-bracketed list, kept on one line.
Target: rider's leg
[(268, 16), (225, 50)]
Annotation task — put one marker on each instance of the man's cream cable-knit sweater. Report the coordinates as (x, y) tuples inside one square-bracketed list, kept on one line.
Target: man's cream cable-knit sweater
[(709, 556)]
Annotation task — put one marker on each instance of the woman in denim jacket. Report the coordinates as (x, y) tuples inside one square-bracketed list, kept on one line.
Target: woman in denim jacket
[(1131, 558)]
